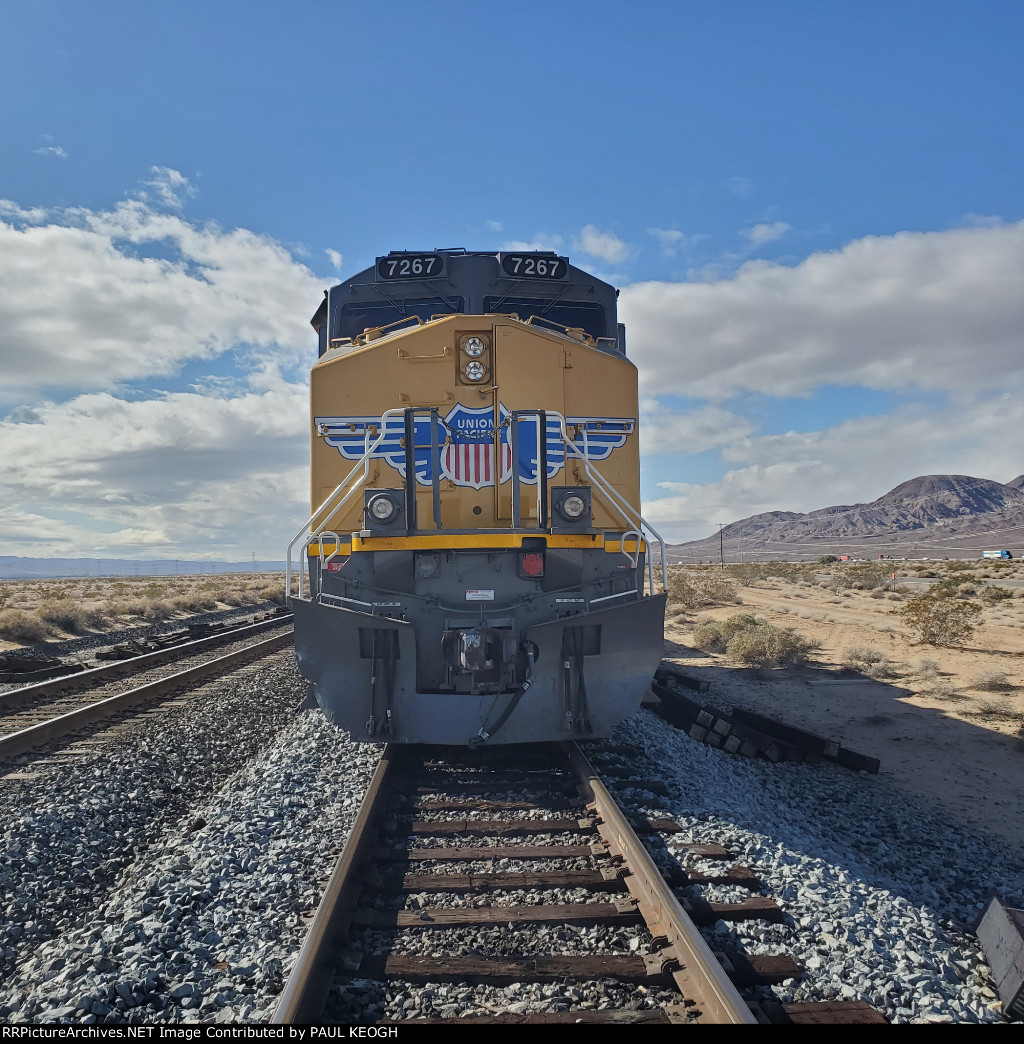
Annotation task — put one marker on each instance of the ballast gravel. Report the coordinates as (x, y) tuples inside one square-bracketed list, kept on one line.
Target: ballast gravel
[(168, 883), (880, 893), (165, 881)]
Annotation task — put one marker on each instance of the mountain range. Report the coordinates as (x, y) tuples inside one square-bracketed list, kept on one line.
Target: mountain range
[(932, 516)]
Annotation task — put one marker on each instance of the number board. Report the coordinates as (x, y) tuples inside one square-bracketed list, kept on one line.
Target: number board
[(410, 266), (534, 266)]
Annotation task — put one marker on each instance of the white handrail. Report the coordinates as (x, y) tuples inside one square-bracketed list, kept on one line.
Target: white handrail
[(629, 514), (363, 461), (625, 508)]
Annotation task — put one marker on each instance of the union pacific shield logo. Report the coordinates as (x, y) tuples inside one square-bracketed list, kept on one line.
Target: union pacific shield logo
[(467, 443), (468, 457)]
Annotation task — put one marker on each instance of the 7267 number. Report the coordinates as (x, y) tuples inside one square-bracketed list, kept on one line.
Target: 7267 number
[(409, 266), (530, 266)]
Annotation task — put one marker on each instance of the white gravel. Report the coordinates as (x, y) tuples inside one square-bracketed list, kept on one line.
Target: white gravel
[(169, 884), (880, 893)]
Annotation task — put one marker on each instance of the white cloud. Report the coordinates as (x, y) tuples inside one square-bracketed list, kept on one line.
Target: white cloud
[(186, 471), (852, 462), (766, 233), (495, 226), (51, 150), (85, 308), (672, 240), (935, 310), (605, 245), (170, 187), (335, 258), (540, 241), (971, 220), (708, 427)]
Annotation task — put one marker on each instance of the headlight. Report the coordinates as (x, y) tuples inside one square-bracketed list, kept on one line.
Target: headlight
[(573, 506), (475, 371), (473, 347), (382, 508)]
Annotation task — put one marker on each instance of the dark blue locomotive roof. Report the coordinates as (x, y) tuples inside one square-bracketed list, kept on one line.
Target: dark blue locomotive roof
[(404, 284)]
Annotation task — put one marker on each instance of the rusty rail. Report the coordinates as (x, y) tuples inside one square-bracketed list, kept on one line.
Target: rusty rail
[(19, 742), (303, 995), (687, 957), (95, 676), (703, 982)]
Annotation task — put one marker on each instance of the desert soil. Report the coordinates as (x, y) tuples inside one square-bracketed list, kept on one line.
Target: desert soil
[(941, 737)]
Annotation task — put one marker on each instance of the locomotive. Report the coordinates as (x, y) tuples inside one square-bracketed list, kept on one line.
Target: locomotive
[(475, 568)]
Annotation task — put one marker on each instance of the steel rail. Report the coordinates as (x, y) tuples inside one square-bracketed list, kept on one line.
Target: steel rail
[(699, 976), (303, 996), (688, 958), (19, 742), (98, 675)]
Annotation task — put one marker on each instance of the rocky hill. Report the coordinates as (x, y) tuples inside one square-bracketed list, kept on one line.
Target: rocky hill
[(933, 516)]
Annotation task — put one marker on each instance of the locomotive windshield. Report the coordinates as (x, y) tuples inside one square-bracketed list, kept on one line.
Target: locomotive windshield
[(442, 282), (362, 314), (566, 313)]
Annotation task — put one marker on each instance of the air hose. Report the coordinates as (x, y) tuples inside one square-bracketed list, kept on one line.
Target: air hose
[(484, 734)]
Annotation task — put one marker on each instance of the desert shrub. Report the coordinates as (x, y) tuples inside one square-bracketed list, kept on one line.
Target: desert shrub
[(714, 635), (992, 681), (927, 670), (967, 590), (869, 661), (69, 616), (956, 566), (763, 645), (196, 602), (691, 589), (994, 709), (859, 656), (863, 576), (156, 609), (991, 594), (275, 593), (947, 588), (239, 597), (936, 618), (16, 625), (877, 593), (944, 690), (128, 607), (828, 559), (794, 572), (746, 573)]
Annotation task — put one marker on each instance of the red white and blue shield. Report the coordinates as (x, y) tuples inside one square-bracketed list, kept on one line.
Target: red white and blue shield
[(468, 457)]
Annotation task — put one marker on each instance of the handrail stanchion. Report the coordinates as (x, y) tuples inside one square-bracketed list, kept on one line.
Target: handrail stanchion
[(435, 466), (363, 461), (615, 498), (517, 492)]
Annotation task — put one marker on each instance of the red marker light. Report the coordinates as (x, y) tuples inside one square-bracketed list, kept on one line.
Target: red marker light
[(531, 564)]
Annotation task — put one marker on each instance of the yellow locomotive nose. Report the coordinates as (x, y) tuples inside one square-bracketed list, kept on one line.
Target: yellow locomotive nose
[(475, 562)]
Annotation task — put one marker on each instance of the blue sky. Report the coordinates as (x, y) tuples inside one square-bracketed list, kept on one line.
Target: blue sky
[(813, 210)]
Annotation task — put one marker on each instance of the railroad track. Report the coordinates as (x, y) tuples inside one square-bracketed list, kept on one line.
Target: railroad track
[(49, 712), (469, 861)]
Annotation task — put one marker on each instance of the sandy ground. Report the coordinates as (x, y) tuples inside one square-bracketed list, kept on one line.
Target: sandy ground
[(939, 736), (119, 602)]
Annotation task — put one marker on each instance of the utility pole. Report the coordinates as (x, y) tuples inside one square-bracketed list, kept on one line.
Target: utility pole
[(721, 542)]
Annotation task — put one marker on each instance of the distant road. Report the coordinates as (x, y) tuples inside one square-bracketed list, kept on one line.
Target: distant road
[(967, 580)]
